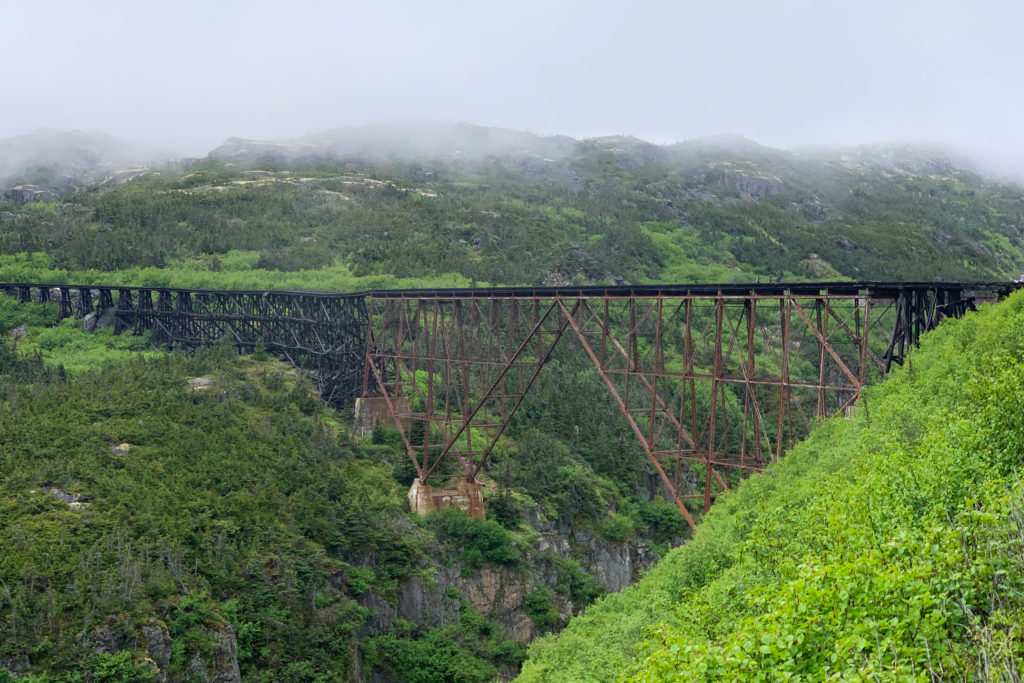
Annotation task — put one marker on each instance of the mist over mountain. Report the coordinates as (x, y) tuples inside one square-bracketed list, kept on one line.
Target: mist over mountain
[(79, 158), (471, 143), (415, 199), (400, 140), (70, 158)]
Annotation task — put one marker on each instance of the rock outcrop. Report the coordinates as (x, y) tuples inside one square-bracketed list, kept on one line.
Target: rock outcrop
[(31, 193), (499, 592), (751, 188), (158, 642)]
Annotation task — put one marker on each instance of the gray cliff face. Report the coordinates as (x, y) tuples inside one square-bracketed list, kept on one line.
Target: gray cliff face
[(616, 564), (752, 188), (158, 643), (499, 592), (222, 665), (218, 666)]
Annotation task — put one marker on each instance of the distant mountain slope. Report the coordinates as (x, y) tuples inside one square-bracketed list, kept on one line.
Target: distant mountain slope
[(68, 159), (408, 140), (499, 206)]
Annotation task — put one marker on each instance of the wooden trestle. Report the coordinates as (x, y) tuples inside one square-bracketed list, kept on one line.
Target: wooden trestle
[(714, 380)]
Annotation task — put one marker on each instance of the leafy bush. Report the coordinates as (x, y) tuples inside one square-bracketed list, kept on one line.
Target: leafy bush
[(503, 510), (121, 668), (663, 520), (476, 540), (539, 605), (13, 314), (617, 527), (465, 651)]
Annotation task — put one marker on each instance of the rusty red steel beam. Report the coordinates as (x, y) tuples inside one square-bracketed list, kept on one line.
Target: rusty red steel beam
[(521, 397), (857, 338), (398, 423), (828, 347), (606, 334), (496, 382), (625, 411)]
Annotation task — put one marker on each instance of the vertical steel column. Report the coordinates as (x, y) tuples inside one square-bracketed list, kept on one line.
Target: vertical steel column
[(784, 374)]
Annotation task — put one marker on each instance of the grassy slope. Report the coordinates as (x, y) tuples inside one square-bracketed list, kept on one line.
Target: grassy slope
[(888, 546)]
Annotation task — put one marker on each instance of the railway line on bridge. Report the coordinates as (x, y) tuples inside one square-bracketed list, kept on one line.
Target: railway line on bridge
[(714, 380)]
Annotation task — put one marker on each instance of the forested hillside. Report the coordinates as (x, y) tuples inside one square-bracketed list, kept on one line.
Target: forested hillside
[(482, 205), (181, 517), (203, 517), (885, 547)]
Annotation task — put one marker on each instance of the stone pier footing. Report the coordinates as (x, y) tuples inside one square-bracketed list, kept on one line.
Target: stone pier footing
[(373, 410), (468, 496)]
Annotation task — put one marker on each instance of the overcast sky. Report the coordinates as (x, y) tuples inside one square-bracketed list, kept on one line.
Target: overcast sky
[(785, 73)]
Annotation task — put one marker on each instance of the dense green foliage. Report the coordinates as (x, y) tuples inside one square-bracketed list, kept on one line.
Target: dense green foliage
[(476, 540), (601, 209), (471, 650), (234, 504), (248, 508), (886, 547), (244, 504)]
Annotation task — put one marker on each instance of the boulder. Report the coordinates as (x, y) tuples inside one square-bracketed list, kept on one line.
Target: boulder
[(200, 383), (106, 318), (30, 193), (69, 498)]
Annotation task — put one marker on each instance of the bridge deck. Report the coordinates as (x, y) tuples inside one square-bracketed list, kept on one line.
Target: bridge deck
[(852, 288)]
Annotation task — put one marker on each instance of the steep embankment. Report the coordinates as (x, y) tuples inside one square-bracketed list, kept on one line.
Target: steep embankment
[(890, 546)]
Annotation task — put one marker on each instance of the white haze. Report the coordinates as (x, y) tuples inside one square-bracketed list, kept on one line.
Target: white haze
[(187, 74)]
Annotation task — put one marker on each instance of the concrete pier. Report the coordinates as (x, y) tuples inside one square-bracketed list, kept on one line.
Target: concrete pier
[(467, 496), (373, 410)]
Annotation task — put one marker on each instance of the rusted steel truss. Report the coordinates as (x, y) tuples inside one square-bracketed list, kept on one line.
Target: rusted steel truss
[(714, 380), (713, 384), (462, 368)]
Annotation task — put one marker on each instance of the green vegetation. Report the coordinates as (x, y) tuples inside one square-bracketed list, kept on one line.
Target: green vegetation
[(683, 213), (886, 547), (133, 505), (468, 651), (141, 519), (476, 540), (233, 504)]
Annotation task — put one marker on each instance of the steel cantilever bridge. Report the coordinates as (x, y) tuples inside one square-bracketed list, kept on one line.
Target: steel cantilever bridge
[(714, 380)]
